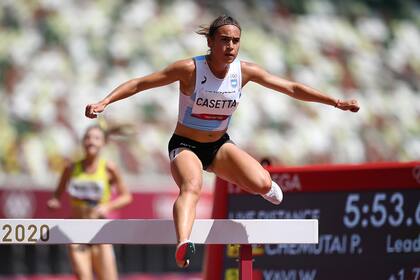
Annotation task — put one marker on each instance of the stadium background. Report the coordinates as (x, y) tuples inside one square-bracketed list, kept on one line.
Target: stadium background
[(57, 56)]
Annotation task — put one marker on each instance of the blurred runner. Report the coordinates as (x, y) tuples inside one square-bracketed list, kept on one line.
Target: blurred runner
[(88, 182)]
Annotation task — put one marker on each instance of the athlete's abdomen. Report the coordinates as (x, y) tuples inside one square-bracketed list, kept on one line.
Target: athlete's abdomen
[(198, 135)]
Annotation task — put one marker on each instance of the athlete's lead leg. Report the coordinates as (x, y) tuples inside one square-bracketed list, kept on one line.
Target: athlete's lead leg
[(187, 171)]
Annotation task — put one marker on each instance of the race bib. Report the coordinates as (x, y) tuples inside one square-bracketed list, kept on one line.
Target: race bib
[(83, 189)]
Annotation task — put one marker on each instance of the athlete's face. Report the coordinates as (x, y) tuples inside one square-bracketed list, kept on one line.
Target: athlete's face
[(93, 141), (224, 45)]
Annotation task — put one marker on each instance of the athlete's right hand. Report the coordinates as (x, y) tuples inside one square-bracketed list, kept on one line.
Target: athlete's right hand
[(53, 203), (92, 110)]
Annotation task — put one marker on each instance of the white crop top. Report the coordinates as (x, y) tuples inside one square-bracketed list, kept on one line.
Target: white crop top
[(214, 100)]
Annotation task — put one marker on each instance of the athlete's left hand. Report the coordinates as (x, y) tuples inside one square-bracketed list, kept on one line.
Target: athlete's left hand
[(348, 105), (100, 211)]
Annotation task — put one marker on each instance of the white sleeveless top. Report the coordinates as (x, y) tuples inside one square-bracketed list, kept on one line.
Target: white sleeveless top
[(214, 100)]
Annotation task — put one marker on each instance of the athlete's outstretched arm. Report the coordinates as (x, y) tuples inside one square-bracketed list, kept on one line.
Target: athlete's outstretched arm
[(172, 73), (254, 73)]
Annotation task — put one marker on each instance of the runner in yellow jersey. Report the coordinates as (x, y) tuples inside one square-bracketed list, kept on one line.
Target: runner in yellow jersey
[(88, 182)]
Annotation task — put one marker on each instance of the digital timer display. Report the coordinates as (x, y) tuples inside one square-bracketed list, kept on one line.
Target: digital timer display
[(362, 235), (368, 215), (378, 211)]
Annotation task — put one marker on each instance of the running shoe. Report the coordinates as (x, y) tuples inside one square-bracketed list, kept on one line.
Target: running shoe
[(275, 195), (184, 252)]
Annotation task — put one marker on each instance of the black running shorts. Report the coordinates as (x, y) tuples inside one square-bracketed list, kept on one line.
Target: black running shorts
[(204, 151)]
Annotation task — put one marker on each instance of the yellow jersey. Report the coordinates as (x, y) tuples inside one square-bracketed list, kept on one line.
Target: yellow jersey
[(89, 189)]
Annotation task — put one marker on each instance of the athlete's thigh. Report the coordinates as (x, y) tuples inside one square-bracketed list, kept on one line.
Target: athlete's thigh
[(81, 259), (187, 169), (104, 264), (238, 167)]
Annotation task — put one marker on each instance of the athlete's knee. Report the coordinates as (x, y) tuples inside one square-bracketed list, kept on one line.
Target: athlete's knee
[(191, 187)]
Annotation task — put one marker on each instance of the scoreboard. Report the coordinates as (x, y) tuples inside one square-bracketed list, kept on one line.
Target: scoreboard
[(369, 223)]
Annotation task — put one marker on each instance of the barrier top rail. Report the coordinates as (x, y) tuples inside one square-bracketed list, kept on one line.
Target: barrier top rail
[(151, 231)]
